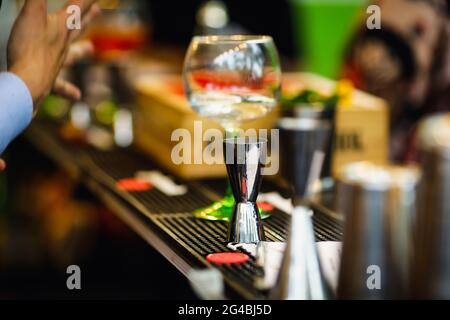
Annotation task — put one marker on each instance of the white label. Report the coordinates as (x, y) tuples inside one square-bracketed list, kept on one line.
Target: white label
[(162, 183)]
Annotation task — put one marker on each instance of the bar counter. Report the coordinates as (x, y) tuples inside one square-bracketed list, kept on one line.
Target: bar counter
[(164, 222)]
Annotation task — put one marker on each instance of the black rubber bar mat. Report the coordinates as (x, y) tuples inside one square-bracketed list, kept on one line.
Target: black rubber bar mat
[(172, 214)]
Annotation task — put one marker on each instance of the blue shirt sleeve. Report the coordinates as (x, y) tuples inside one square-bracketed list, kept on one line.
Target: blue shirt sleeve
[(16, 108)]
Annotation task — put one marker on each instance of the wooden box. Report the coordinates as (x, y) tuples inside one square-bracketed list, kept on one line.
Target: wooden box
[(161, 109), (361, 128)]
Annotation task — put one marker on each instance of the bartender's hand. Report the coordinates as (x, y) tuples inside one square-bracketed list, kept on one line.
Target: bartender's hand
[(39, 43), (2, 165), (77, 51)]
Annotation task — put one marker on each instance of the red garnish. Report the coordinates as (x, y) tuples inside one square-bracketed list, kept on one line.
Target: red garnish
[(227, 258), (133, 184), (265, 206), (223, 81)]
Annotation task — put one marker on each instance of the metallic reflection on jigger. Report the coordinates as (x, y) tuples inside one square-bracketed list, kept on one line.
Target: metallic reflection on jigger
[(244, 158)]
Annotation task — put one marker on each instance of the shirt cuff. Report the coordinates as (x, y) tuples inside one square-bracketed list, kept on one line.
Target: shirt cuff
[(16, 108)]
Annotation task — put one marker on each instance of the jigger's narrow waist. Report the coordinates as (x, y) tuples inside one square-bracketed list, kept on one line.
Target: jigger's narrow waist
[(246, 225)]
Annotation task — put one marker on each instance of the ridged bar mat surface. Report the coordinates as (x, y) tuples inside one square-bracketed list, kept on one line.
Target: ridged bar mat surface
[(172, 214)]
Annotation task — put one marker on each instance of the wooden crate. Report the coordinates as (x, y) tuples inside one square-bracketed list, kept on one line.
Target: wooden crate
[(362, 127), (161, 109)]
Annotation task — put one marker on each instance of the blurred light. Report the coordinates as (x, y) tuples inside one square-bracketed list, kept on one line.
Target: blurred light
[(123, 128), (213, 15), (100, 138), (434, 132), (80, 115)]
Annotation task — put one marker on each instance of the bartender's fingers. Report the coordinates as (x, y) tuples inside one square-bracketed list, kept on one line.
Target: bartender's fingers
[(66, 89), (78, 51), (84, 5), (2, 165), (86, 19)]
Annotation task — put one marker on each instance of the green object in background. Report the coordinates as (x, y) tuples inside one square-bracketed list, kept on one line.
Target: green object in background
[(323, 29), (105, 112), (54, 107)]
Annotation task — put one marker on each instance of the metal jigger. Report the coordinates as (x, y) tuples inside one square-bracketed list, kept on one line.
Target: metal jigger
[(244, 159), (304, 142)]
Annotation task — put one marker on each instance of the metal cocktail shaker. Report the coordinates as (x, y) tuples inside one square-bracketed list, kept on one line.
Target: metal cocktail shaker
[(432, 260), (379, 204)]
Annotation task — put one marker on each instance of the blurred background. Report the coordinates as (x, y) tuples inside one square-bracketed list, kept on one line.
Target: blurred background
[(48, 220)]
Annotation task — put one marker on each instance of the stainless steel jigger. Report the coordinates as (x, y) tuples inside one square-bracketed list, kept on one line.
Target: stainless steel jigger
[(244, 159)]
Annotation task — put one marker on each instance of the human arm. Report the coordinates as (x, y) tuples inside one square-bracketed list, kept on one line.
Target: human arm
[(38, 46), (16, 108)]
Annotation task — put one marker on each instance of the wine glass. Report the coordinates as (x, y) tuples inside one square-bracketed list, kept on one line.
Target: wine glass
[(231, 79)]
